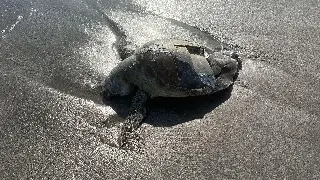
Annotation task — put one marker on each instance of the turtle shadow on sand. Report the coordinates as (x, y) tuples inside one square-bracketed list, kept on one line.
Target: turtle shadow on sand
[(168, 111)]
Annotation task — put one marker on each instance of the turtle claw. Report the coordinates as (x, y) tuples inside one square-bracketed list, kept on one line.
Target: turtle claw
[(122, 137), (129, 140), (125, 131), (128, 128)]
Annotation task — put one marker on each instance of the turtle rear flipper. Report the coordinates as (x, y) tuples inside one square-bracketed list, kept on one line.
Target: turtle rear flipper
[(137, 113)]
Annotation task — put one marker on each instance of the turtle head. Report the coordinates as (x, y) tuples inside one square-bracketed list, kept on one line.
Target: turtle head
[(115, 85), (225, 66)]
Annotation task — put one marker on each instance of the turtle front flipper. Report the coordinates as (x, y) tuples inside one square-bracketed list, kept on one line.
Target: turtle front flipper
[(137, 113)]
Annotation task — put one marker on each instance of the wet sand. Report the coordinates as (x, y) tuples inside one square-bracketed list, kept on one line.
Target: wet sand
[(54, 122)]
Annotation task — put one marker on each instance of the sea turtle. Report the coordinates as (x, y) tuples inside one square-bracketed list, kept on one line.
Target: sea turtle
[(169, 68)]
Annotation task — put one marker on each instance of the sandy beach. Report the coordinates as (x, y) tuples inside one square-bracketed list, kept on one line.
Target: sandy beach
[(55, 123)]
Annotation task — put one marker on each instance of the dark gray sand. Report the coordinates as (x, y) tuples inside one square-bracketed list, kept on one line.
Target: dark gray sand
[(54, 123)]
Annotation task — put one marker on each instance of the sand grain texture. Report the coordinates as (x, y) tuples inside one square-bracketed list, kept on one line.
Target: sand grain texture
[(55, 54)]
